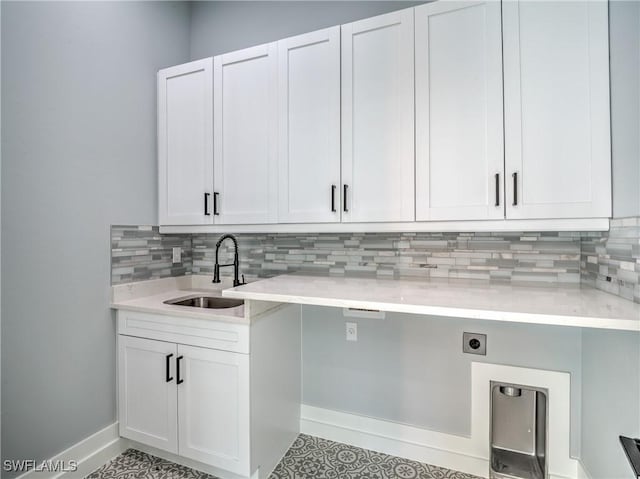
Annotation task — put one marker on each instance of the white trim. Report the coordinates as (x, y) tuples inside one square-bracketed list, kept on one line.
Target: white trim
[(440, 449), (585, 224), (90, 453), (461, 453)]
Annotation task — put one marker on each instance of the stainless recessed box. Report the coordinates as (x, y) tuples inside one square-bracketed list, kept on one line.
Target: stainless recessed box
[(518, 432)]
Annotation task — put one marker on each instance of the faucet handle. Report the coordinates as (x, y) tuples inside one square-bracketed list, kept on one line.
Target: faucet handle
[(243, 281)]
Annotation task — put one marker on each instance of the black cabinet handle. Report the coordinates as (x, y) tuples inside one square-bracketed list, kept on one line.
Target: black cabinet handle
[(344, 199), (215, 203), (333, 198), (515, 188), (168, 367), (179, 380), (497, 189), (206, 204)]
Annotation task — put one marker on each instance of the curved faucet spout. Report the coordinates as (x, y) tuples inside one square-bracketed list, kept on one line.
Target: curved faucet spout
[(235, 264)]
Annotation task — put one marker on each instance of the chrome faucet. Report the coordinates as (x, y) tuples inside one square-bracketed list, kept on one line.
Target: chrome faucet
[(235, 264)]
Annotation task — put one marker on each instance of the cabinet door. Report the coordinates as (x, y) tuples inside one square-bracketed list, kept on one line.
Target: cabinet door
[(245, 135), (377, 119), (556, 81), (459, 127), (309, 127), (213, 408), (147, 401), (185, 143)]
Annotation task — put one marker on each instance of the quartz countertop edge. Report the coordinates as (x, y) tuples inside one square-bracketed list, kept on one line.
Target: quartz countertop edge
[(557, 304), (149, 297)]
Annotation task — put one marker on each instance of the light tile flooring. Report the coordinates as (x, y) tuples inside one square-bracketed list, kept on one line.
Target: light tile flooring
[(308, 457)]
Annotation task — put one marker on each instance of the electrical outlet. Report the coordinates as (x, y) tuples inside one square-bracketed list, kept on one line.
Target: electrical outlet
[(352, 331), (474, 343), (177, 255)]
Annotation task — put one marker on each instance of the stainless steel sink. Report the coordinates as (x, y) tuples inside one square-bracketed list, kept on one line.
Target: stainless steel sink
[(203, 301)]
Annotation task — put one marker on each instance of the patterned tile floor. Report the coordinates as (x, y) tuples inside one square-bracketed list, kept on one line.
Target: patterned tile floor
[(308, 457)]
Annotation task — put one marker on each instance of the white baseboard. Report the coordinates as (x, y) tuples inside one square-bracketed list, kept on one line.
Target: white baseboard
[(422, 445), (461, 453), (89, 454), (438, 449)]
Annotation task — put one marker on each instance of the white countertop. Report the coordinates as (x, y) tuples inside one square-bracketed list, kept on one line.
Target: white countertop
[(149, 297), (562, 305)]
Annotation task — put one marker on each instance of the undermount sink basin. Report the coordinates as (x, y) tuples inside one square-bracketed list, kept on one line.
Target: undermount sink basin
[(207, 302)]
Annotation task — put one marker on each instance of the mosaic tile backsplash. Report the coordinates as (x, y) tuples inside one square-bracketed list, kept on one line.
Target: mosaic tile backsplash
[(547, 257), (608, 261), (141, 252), (611, 262)]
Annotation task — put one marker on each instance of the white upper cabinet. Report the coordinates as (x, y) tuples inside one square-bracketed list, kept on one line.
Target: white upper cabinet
[(185, 143), (309, 127), (378, 119), (245, 136), (459, 127), (556, 81)]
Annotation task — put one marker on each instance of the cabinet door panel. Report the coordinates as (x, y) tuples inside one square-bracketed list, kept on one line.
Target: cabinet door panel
[(147, 401), (459, 126), (185, 142), (245, 163), (309, 127), (557, 128), (377, 118), (213, 408)]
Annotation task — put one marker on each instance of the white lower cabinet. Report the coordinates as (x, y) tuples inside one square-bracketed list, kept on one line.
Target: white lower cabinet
[(222, 396), (147, 401), (213, 407), (186, 400)]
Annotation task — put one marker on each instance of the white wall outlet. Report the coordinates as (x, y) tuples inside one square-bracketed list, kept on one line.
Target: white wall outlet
[(352, 331), (177, 255)]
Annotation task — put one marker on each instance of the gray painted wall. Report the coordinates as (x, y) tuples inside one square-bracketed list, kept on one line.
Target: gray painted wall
[(624, 19), (610, 400), (78, 84), (410, 369), (221, 27), (79, 153)]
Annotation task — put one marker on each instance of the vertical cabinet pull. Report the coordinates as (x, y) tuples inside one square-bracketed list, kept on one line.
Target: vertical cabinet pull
[(497, 189), (179, 380), (215, 203), (344, 199), (333, 198), (515, 188), (206, 204), (167, 373)]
